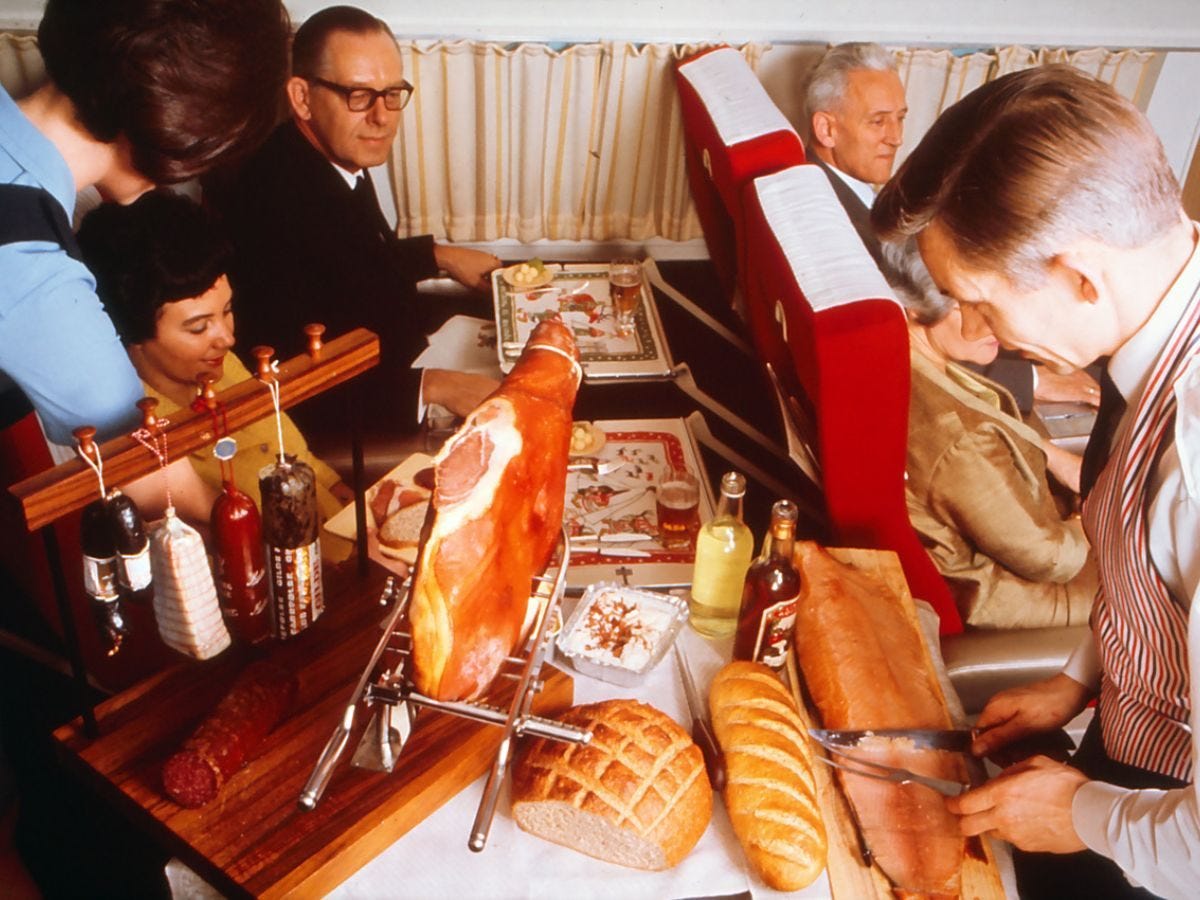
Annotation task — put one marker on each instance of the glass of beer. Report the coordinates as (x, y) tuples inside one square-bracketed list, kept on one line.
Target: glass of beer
[(677, 503), (625, 289)]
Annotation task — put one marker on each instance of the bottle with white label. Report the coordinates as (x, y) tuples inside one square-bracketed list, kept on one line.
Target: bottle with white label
[(768, 612), (133, 547), (100, 579)]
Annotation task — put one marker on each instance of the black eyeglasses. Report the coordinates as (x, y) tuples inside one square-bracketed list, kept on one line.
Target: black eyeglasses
[(360, 99)]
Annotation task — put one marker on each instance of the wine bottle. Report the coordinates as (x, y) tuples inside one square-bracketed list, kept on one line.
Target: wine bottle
[(100, 579), (723, 549), (772, 586), (133, 547)]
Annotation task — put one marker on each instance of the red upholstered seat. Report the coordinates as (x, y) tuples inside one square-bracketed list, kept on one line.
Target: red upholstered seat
[(734, 132), (848, 343)]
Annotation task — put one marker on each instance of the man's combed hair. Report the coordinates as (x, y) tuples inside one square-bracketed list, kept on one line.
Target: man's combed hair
[(308, 47), (827, 86), (190, 83), (161, 248), (1028, 163)]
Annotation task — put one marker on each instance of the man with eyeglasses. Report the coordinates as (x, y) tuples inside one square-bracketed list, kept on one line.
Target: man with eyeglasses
[(312, 243)]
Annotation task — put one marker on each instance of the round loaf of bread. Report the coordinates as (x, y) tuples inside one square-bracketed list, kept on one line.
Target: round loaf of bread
[(636, 794), (769, 789)]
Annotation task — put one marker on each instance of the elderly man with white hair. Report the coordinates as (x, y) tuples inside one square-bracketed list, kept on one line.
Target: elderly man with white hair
[(856, 108)]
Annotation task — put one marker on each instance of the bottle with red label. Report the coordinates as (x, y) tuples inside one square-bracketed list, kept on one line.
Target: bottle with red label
[(240, 563), (772, 586)]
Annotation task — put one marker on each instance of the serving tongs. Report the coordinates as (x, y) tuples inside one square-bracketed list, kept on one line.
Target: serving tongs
[(385, 685)]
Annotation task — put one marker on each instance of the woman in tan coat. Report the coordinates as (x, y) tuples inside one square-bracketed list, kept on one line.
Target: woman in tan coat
[(977, 477)]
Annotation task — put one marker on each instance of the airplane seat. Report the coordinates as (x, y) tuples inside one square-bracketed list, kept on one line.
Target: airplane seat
[(847, 344), (733, 132)]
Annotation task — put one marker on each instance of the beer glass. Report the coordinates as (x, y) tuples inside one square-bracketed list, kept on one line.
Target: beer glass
[(625, 290), (677, 504)]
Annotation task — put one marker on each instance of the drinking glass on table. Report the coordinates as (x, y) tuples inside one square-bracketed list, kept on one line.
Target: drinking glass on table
[(677, 504), (625, 289)]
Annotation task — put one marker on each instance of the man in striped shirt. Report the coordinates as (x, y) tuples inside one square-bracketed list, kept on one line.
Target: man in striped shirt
[(1043, 203)]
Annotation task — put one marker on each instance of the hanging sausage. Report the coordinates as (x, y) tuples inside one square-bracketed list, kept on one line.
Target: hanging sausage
[(290, 524), (238, 545), (290, 521)]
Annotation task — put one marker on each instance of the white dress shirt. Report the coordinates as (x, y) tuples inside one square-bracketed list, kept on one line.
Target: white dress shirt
[(1154, 835), (861, 189)]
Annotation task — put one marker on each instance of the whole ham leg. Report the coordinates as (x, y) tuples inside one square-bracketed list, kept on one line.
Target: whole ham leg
[(495, 518), (866, 667)]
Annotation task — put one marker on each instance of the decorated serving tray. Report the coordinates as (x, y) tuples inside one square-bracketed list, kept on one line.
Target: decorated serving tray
[(621, 504), (578, 293)]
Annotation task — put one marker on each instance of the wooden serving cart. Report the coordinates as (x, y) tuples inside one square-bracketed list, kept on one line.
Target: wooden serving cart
[(255, 839)]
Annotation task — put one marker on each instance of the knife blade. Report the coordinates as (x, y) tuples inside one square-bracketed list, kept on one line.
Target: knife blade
[(955, 739), (702, 734)]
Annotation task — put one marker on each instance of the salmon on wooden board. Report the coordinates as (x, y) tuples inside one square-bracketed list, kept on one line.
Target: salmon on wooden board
[(865, 667), (495, 519)]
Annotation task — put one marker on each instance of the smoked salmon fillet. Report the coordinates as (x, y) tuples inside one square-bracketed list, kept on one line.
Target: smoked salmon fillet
[(865, 667), (494, 521)]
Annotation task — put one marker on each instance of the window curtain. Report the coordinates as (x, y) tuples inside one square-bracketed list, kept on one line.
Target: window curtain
[(529, 142), (21, 68), (935, 79)]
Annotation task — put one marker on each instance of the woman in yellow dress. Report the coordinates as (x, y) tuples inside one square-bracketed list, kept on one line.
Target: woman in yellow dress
[(160, 265)]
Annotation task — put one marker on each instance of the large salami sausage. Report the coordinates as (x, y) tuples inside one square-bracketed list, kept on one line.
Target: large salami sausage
[(232, 735), (495, 517)]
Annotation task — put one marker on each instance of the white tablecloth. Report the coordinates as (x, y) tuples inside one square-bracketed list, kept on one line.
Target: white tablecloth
[(432, 861)]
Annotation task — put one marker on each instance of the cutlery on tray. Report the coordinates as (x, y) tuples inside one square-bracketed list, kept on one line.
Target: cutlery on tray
[(702, 733), (593, 466)]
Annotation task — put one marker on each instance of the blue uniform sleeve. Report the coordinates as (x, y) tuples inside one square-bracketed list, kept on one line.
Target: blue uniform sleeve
[(59, 345)]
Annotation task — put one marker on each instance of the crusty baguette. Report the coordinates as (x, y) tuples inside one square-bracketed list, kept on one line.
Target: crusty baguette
[(636, 794), (769, 789)]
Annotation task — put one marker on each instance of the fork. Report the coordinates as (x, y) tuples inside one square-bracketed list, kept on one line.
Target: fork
[(894, 774)]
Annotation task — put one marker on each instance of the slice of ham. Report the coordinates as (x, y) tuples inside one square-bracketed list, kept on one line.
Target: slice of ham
[(866, 667), (497, 514)]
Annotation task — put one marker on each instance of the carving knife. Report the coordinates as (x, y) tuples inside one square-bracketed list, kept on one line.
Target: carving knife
[(955, 739), (702, 734)]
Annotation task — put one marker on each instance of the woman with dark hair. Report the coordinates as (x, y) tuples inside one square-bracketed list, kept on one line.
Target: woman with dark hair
[(160, 267), (139, 92)]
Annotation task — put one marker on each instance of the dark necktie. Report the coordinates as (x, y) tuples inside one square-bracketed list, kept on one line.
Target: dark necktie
[(368, 204), (1112, 407)]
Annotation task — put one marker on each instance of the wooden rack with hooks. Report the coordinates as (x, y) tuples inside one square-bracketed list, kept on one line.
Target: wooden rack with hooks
[(48, 496)]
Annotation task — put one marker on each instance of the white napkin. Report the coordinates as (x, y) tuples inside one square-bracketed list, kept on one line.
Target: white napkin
[(463, 343)]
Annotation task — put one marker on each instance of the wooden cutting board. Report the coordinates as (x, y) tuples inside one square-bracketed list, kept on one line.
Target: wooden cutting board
[(849, 877), (254, 840)]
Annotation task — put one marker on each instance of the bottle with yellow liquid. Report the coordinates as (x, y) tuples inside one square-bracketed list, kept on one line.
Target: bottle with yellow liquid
[(723, 550)]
